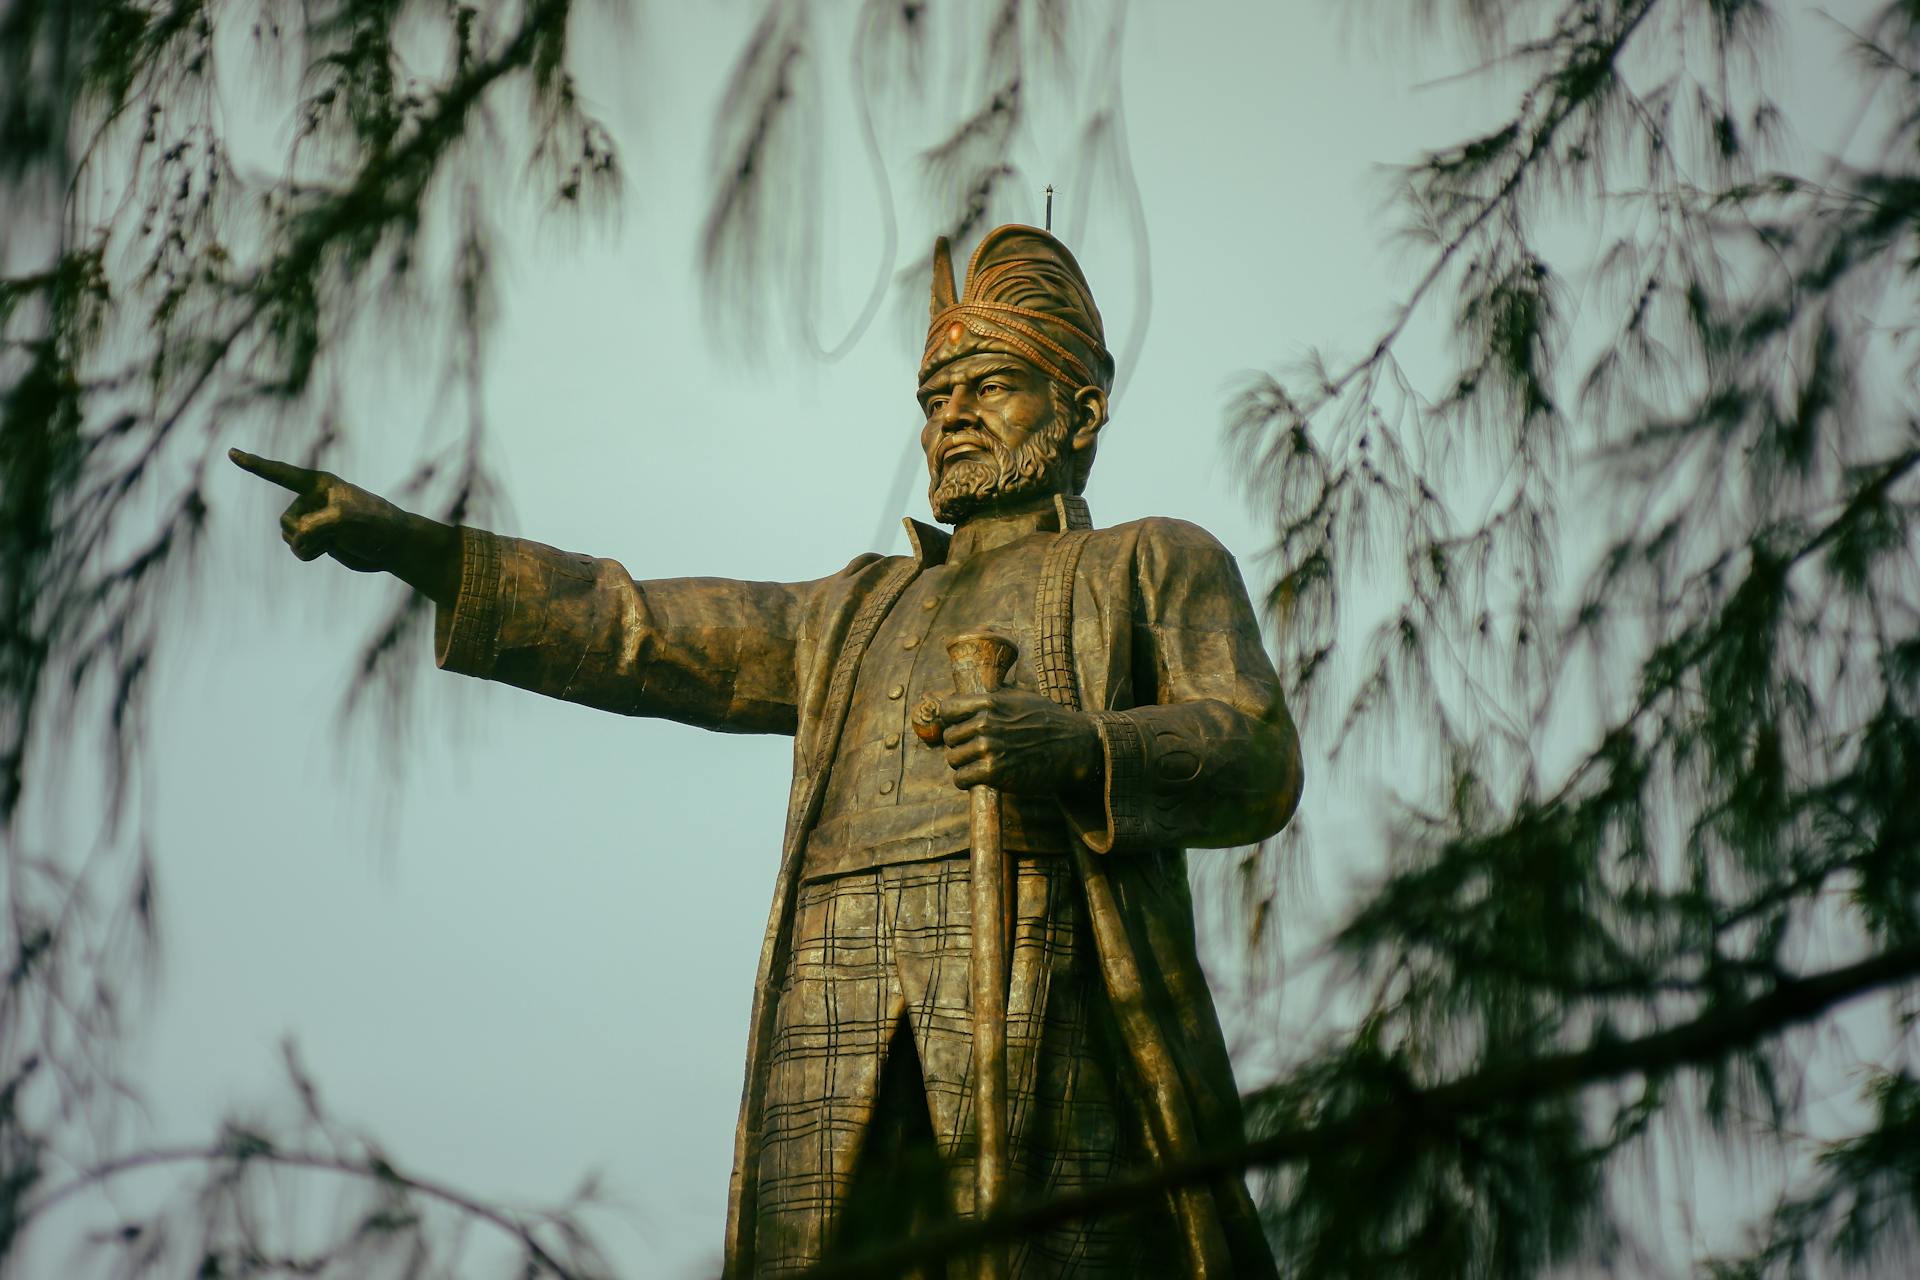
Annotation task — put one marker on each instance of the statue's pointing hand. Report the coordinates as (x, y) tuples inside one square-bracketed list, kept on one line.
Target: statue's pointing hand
[(1012, 739), (361, 530), (329, 516)]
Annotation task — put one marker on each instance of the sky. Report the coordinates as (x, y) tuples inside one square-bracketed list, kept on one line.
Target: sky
[(519, 947)]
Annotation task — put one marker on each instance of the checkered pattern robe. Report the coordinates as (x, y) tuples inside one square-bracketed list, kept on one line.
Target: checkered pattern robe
[(878, 966), (1164, 652)]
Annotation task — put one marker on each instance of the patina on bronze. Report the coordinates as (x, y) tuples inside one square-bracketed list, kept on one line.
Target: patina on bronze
[(1141, 717)]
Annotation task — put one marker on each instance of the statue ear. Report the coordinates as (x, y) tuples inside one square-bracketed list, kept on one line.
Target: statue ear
[(1090, 414), (943, 294)]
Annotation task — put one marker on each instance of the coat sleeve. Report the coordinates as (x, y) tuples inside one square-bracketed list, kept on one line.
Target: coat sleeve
[(1208, 757), (711, 652)]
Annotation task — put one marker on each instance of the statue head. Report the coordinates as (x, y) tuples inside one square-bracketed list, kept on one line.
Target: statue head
[(1015, 377)]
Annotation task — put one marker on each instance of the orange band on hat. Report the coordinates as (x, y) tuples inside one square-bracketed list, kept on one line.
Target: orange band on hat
[(1064, 365)]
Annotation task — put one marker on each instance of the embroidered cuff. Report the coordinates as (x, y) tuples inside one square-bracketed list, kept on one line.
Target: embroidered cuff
[(463, 636), (1124, 785)]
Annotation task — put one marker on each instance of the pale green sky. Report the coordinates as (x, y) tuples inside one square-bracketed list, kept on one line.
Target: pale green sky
[(537, 962)]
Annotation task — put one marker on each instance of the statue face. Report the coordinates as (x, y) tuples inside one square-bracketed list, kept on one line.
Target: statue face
[(997, 432)]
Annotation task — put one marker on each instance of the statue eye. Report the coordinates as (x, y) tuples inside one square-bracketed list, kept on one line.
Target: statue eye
[(935, 404)]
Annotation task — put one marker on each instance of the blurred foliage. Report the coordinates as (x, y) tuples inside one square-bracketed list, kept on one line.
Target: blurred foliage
[(1629, 590), (768, 211), (159, 294), (1639, 577)]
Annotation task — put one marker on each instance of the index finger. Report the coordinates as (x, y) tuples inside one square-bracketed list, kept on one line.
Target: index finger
[(284, 474), (955, 707)]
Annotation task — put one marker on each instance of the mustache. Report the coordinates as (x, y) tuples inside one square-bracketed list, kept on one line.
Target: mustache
[(993, 462), (985, 447)]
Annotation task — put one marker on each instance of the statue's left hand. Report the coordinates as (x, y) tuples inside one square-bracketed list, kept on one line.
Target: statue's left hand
[(1017, 741)]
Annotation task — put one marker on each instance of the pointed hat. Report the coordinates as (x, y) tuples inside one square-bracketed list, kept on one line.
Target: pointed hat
[(1025, 296)]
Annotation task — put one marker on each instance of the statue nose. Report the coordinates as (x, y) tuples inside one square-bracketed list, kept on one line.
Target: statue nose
[(958, 411)]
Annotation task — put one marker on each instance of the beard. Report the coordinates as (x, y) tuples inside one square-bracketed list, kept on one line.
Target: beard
[(1037, 465)]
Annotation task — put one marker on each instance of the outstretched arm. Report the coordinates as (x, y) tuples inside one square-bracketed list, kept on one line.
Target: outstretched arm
[(362, 530), (712, 652)]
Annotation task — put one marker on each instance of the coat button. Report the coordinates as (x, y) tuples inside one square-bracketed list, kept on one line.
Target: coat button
[(886, 787), (892, 740), (929, 604), (913, 642), (896, 692)]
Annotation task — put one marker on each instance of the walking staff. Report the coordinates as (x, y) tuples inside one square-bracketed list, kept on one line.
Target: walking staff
[(981, 660)]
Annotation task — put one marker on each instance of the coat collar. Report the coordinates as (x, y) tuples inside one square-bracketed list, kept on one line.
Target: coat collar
[(932, 545)]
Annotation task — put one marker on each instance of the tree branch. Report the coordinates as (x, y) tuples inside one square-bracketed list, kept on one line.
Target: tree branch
[(1508, 189), (374, 1170)]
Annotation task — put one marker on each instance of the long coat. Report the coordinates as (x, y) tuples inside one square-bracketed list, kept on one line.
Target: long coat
[(1147, 626)]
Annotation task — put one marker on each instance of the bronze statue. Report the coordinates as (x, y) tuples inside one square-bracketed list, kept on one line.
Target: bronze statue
[(1141, 716)]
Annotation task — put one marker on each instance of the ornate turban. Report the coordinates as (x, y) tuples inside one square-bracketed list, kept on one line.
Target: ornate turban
[(1026, 297)]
